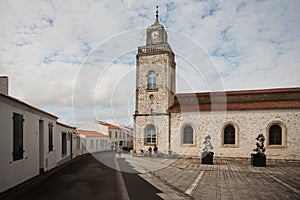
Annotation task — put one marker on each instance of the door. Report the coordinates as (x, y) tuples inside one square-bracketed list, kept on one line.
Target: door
[(71, 145)]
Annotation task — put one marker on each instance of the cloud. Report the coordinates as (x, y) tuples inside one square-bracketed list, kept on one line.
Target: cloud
[(50, 48)]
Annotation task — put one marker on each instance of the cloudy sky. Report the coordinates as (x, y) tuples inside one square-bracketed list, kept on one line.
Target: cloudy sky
[(76, 59)]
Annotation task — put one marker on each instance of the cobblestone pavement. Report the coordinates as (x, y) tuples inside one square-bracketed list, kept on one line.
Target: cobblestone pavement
[(226, 179)]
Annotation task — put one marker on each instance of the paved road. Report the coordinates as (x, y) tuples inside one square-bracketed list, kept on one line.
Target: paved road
[(165, 178), (86, 178)]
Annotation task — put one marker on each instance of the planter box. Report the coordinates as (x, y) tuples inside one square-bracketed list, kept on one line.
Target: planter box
[(207, 158), (258, 160)]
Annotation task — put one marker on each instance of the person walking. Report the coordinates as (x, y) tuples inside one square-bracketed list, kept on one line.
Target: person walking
[(119, 151), (150, 151), (155, 149)]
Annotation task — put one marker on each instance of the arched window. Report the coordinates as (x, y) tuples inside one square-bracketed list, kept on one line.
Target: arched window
[(275, 135), (150, 135), (229, 135), (188, 135), (151, 80)]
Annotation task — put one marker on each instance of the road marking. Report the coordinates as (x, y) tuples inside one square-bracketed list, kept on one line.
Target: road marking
[(167, 193), (121, 183), (285, 184), (193, 186)]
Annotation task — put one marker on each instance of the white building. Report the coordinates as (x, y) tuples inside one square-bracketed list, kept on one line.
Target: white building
[(68, 144), (94, 141), (117, 135), (31, 140)]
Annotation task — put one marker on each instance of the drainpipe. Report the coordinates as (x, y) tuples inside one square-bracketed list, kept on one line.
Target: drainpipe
[(169, 114)]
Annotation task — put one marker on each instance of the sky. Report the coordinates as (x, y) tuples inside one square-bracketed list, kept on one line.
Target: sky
[(76, 59)]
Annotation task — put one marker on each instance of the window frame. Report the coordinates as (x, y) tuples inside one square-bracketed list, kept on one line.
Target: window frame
[(183, 135), (64, 146), (50, 137), (18, 137), (283, 135), (229, 136), (151, 80), (151, 138), (236, 136)]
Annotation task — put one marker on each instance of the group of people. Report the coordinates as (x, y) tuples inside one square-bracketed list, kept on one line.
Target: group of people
[(155, 150)]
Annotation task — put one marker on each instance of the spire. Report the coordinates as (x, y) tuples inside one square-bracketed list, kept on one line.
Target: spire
[(156, 20), (156, 23)]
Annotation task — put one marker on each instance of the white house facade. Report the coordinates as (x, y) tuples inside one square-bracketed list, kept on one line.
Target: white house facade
[(30, 140), (94, 141), (117, 135)]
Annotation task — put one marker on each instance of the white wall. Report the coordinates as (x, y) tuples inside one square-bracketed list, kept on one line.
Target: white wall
[(69, 135), (15, 172), (103, 144)]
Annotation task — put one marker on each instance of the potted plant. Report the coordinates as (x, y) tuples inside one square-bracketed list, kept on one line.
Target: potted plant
[(259, 158), (207, 154)]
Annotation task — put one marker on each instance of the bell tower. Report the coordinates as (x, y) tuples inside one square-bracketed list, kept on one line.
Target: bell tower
[(155, 88)]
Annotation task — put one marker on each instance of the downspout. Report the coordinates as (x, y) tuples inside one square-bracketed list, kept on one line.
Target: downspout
[(169, 114)]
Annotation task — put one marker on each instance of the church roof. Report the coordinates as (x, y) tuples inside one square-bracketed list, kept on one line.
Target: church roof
[(280, 98)]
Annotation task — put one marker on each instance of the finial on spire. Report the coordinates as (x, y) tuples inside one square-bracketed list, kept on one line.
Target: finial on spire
[(156, 20)]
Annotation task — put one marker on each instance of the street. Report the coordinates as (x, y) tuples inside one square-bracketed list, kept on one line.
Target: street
[(98, 176), (85, 178)]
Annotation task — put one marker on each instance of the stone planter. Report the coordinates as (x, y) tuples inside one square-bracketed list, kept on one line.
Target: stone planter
[(258, 159), (207, 158)]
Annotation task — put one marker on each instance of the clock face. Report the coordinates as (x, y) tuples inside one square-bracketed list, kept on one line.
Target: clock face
[(154, 35)]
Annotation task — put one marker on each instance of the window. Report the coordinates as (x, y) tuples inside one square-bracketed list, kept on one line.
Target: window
[(64, 143), (109, 135), (116, 134), (275, 135), (84, 144), (17, 136), (50, 135), (188, 135), (151, 80), (229, 135), (78, 142), (92, 145), (150, 135)]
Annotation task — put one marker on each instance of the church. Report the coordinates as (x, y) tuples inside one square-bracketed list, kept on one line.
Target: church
[(179, 123)]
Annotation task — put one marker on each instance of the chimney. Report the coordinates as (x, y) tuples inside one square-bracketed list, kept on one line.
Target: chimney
[(4, 85)]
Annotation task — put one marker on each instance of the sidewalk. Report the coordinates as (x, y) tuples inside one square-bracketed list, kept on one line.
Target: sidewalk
[(226, 179)]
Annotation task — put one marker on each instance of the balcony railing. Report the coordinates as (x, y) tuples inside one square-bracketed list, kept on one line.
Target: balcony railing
[(158, 48)]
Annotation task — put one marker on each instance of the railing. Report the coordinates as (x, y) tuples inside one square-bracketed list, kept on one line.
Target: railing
[(158, 48)]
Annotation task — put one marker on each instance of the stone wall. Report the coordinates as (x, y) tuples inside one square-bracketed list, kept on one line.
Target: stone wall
[(163, 97), (249, 124), (160, 122)]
